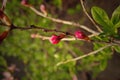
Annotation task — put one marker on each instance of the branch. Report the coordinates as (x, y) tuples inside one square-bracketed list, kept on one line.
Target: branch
[(85, 11), (62, 21), (47, 38), (83, 56), (38, 27), (58, 31), (74, 39)]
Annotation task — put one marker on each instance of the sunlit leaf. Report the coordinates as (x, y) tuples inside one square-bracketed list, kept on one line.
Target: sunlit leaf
[(116, 16), (101, 17), (117, 48)]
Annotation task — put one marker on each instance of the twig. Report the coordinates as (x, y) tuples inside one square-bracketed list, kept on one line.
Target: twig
[(116, 42), (58, 31), (85, 11), (3, 5), (83, 56), (64, 39), (63, 21), (38, 27)]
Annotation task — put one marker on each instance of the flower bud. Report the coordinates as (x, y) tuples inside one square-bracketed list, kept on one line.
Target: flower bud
[(43, 9), (54, 39), (25, 3), (33, 35), (80, 35)]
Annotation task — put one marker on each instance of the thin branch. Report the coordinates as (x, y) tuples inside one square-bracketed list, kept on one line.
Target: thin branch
[(58, 31), (63, 21), (38, 27), (3, 5), (116, 42), (85, 11), (83, 56), (47, 38)]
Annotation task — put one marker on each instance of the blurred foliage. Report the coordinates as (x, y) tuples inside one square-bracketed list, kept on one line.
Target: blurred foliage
[(40, 57), (72, 11)]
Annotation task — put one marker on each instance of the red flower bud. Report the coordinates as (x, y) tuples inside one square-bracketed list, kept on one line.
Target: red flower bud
[(25, 3), (80, 35), (55, 39)]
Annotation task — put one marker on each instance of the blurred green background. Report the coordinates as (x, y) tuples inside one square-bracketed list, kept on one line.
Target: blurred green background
[(36, 59)]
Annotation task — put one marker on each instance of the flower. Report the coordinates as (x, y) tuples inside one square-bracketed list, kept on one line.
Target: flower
[(80, 35), (55, 39)]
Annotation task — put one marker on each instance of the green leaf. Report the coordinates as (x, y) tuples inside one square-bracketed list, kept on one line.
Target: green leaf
[(103, 64), (117, 48), (116, 16), (116, 26), (101, 17), (3, 62)]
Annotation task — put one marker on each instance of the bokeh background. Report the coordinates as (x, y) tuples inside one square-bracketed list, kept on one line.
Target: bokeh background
[(26, 58)]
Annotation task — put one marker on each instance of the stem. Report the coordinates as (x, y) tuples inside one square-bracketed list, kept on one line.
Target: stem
[(83, 56), (63, 21), (85, 11), (38, 27)]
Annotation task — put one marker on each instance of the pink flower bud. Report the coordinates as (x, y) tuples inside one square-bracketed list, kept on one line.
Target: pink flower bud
[(55, 39), (24, 2), (33, 35), (43, 9), (80, 35)]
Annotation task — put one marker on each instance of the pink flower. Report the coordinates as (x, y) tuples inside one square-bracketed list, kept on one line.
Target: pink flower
[(55, 39), (80, 35)]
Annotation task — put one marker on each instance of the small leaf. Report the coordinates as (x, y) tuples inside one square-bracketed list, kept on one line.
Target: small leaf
[(3, 35), (116, 26), (116, 16), (117, 48), (101, 17), (103, 64)]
